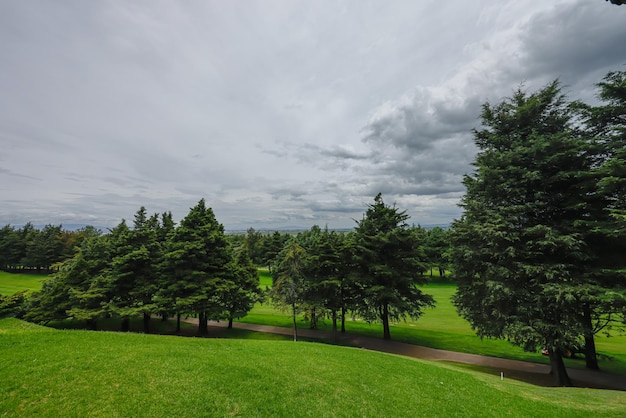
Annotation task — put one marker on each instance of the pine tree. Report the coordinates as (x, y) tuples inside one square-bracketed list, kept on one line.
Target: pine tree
[(197, 259), (389, 266), (518, 250)]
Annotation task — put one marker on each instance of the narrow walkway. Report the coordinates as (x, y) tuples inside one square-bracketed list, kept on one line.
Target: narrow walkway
[(580, 377)]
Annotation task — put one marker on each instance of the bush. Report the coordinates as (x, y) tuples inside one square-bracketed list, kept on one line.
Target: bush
[(13, 305)]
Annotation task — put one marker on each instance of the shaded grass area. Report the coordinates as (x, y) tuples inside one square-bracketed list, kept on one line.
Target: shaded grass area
[(11, 283), (49, 372), (168, 327)]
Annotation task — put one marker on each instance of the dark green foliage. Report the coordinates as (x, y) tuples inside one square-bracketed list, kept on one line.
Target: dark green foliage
[(196, 260), (326, 277), (30, 248), (273, 244), (73, 290), (153, 268), (13, 305), (135, 269), (608, 124), (604, 299), (162, 303), (519, 251), (240, 288), (436, 248), (253, 244), (290, 286), (389, 266)]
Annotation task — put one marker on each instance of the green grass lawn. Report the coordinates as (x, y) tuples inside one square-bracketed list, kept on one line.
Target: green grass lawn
[(17, 282), (265, 278), (442, 328), (48, 373)]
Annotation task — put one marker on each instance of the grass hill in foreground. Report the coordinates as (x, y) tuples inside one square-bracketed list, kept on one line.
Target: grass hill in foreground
[(47, 372)]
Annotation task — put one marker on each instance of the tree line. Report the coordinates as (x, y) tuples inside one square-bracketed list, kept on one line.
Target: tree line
[(153, 268), (29, 248), (264, 247), (157, 267)]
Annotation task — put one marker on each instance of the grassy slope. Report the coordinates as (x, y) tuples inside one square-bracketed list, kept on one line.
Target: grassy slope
[(15, 282), (79, 373)]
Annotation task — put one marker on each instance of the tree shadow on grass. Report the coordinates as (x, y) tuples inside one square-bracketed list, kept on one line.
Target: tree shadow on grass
[(533, 378)]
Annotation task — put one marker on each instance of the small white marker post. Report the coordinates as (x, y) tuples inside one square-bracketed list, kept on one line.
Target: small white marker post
[(501, 375)]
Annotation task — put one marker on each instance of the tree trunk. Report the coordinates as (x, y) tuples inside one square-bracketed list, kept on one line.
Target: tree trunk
[(164, 317), (92, 324), (558, 368), (431, 271), (343, 320), (146, 323), (591, 357), (295, 326), (313, 324), (334, 326), (230, 322), (385, 319), (177, 323), (203, 325), (125, 324)]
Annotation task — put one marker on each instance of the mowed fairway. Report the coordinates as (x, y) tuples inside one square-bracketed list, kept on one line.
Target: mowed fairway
[(443, 328), (17, 282), (49, 373)]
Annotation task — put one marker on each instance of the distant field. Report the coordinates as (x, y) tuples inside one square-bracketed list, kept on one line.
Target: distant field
[(265, 278), (16, 282), (47, 372)]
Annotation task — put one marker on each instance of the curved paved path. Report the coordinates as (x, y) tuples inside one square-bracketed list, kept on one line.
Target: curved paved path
[(580, 377)]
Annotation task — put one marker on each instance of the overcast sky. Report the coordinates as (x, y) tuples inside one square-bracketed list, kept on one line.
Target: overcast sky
[(278, 113)]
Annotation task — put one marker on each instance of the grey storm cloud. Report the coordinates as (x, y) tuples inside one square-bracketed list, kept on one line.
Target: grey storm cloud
[(417, 121), (278, 113), (579, 40)]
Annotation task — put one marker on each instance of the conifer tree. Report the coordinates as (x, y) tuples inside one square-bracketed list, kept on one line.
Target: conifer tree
[(519, 252), (389, 266), (197, 259)]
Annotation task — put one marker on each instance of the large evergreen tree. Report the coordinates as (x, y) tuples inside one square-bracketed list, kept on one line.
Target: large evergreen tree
[(389, 266), (197, 259), (518, 250)]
